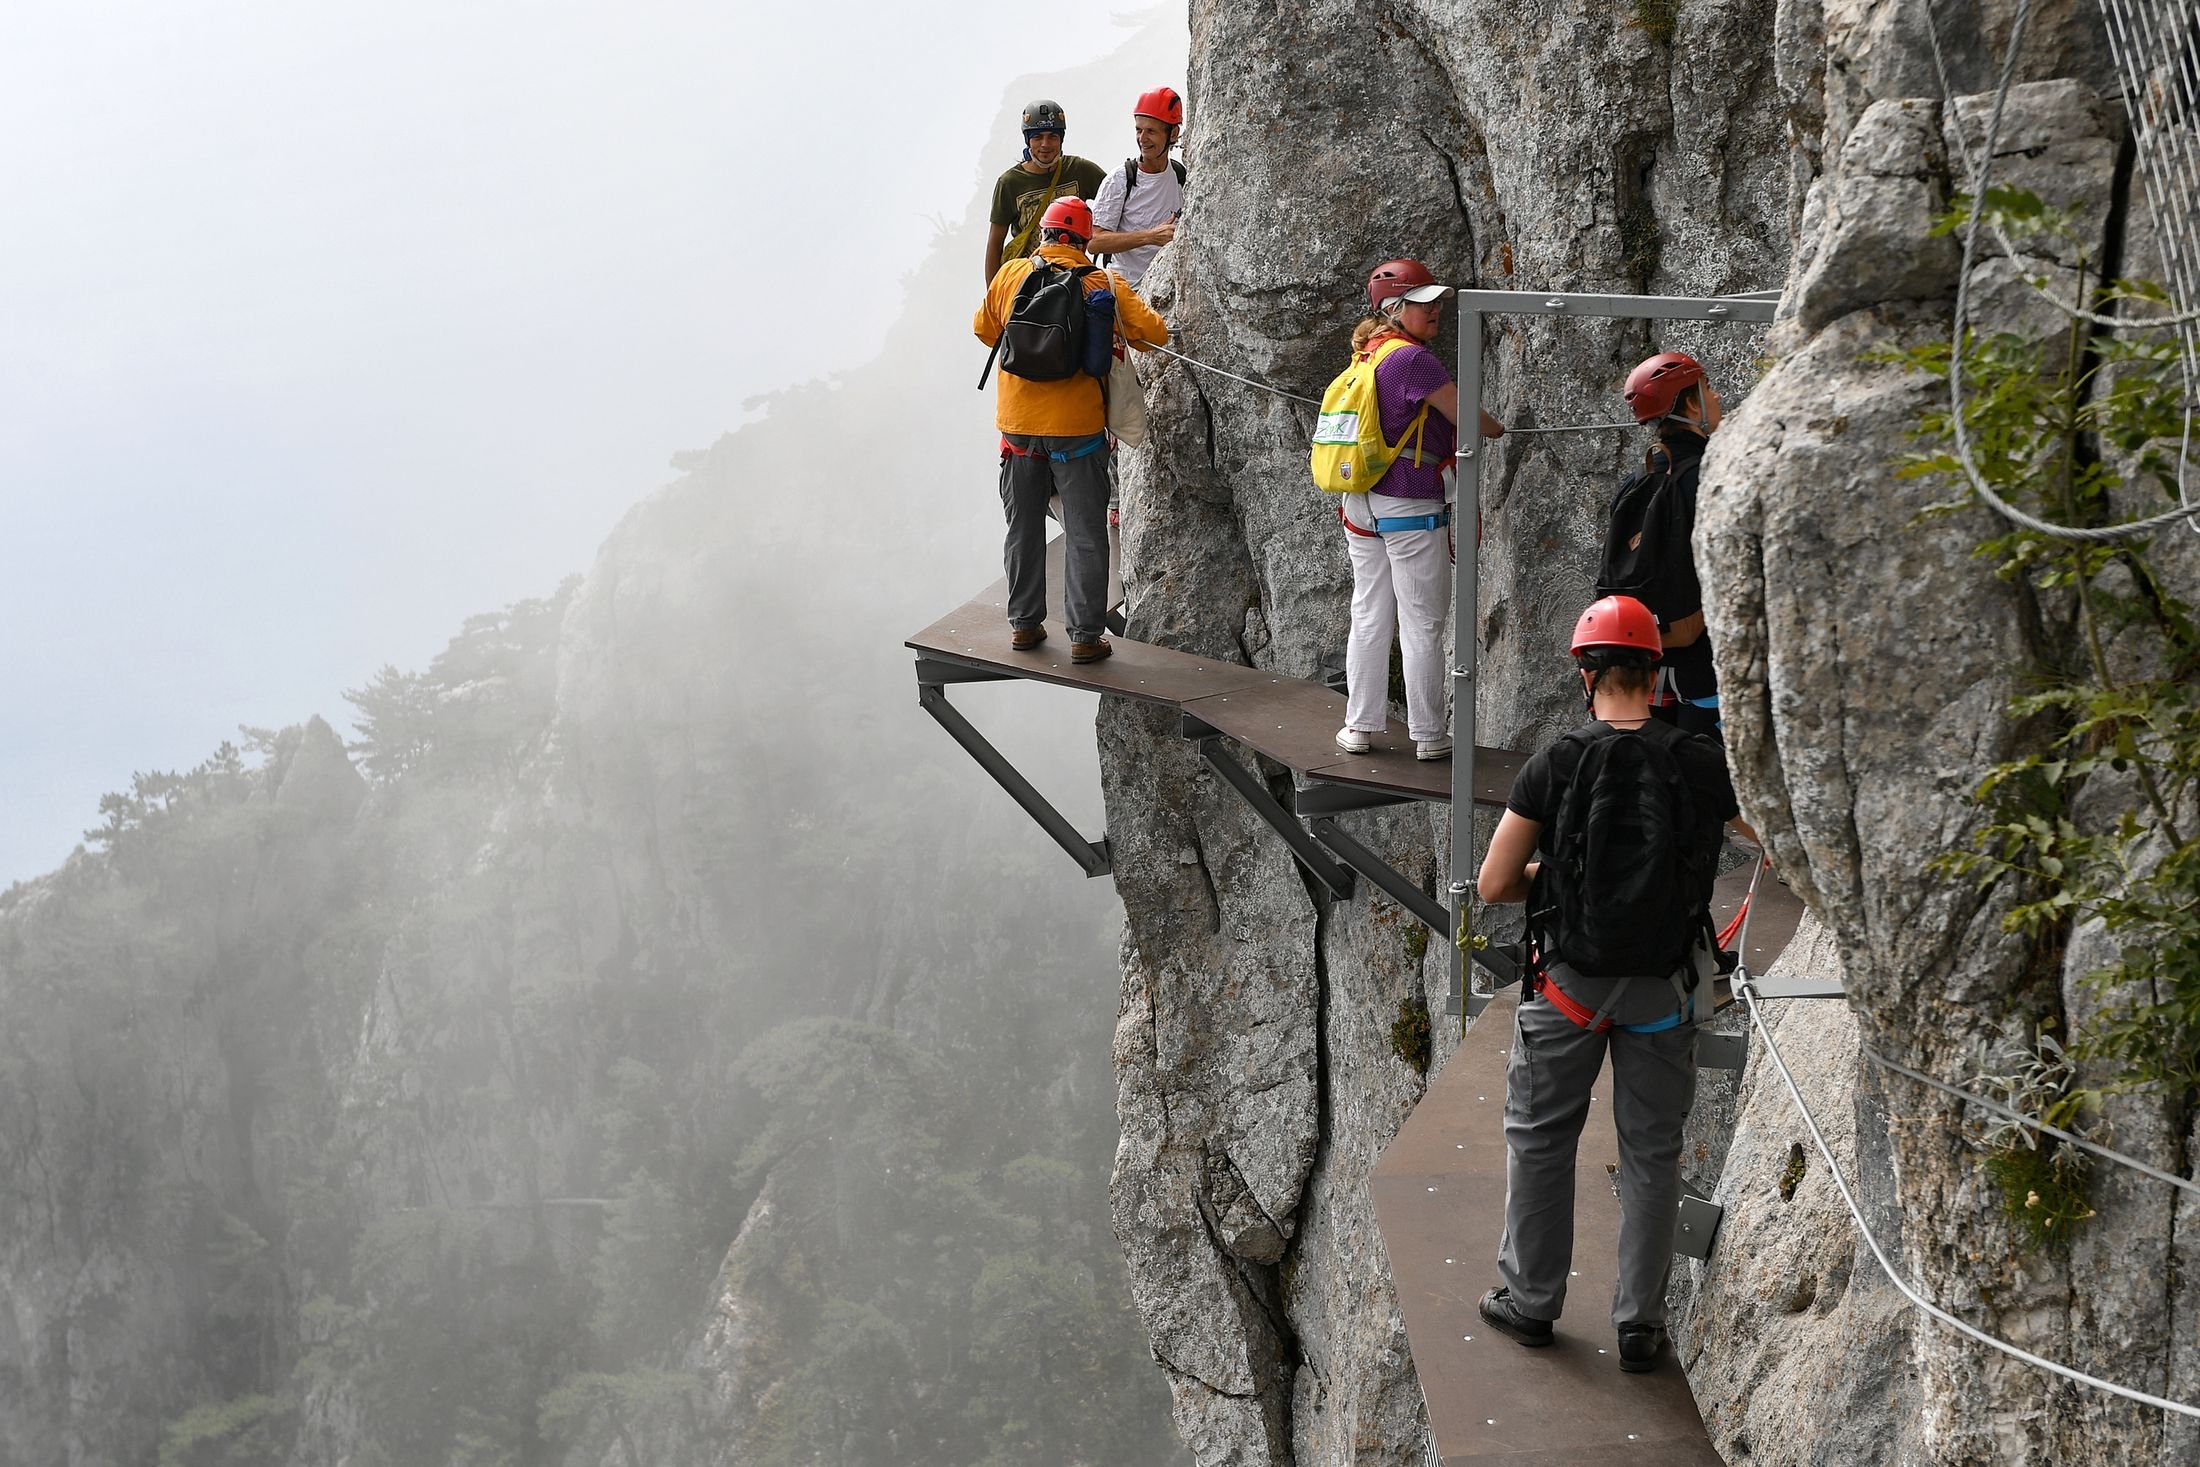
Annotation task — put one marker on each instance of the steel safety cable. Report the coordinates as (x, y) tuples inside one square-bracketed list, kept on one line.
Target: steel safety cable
[(2033, 1123), (1225, 372), (1316, 402), (2088, 534), (1909, 1291)]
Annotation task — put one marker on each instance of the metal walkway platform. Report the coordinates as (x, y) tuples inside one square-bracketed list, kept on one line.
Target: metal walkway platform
[(1439, 1194), (1286, 719), (1439, 1188)]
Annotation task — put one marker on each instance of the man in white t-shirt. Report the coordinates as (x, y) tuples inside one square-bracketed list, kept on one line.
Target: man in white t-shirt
[(1135, 213)]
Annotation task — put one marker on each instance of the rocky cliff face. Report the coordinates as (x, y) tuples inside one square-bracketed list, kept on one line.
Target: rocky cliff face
[(1876, 655), (1563, 149), (1700, 149)]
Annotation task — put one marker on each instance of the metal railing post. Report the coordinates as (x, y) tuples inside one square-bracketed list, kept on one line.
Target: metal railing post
[(1466, 644)]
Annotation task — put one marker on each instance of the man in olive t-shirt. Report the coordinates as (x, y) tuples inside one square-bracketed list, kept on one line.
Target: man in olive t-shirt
[(1022, 194)]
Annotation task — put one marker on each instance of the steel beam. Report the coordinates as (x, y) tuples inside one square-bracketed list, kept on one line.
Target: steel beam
[(1383, 874), (1267, 807), (1325, 798), (938, 672), (1753, 309), (1796, 988), (1091, 855)]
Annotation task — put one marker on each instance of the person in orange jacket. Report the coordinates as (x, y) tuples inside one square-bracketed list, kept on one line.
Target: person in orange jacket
[(1054, 440)]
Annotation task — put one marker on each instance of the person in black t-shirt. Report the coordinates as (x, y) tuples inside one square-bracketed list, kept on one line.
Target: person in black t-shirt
[(1558, 1045), (1647, 552)]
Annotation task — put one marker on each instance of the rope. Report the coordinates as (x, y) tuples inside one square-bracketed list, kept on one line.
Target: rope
[(1571, 428), (1871, 1240), (2029, 1122), (2186, 510)]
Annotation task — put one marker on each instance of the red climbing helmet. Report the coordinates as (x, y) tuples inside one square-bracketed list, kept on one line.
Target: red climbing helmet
[(1653, 386), (1162, 104), (1072, 214), (1402, 279), (1618, 622)]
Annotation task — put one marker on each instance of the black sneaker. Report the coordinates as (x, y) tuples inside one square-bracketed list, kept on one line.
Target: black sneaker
[(1639, 1347), (1504, 1316)]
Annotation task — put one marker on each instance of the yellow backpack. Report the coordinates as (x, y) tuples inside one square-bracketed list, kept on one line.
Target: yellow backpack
[(1349, 452)]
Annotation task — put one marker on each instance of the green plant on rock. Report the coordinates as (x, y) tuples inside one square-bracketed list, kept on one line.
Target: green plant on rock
[(1658, 19), (2082, 429), (2044, 1182), (1410, 1034)]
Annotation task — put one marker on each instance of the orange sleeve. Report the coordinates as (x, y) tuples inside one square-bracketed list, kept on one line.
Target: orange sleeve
[(1140, 322), (992, 312)]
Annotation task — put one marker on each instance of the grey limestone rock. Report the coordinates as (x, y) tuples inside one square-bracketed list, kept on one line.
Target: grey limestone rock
[(1866, 658)]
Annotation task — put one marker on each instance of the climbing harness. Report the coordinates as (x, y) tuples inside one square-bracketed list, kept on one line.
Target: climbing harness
[(1394, 524), (1085, 449), (1599, 1021)]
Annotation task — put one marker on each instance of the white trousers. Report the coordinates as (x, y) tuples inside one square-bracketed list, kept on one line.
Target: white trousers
[(1401, 580)]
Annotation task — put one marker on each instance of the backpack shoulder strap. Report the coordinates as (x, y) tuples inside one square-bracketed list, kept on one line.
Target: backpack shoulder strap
[(1179, 167), (1130, 175)]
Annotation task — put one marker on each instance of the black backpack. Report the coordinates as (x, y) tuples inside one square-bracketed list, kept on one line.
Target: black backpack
[(1625, 881), (1044, 340), (1646, 541)]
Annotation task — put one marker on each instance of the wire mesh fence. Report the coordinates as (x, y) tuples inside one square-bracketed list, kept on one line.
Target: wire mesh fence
[(2156, 44)]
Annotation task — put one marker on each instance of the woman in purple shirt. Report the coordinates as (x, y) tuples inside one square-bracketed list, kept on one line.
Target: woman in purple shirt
[(1399, 533)]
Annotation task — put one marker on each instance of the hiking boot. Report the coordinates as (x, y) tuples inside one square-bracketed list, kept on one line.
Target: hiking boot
[(1436, 748), (1639, 1347), (1501, 1314), (1091, 651), (1352, 741), (1023, 639)]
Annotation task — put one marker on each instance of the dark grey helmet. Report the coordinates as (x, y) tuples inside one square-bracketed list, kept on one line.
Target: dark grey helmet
[(1044, 116)]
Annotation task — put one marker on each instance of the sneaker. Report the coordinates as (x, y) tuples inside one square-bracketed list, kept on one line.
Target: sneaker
[(1091, 651), (1640, 1345), (1436, 748), (1504, 1316), (1352, 741), (1023, 639)]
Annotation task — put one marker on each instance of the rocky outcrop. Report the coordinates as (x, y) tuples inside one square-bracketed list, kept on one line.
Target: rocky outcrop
[(1705, 149), (1870, 656), (1258, 1080)]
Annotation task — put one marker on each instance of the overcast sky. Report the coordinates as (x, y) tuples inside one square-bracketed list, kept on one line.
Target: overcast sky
[(325, 326)]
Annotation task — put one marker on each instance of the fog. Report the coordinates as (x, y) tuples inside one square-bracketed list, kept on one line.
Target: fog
[(327, 326), (534, 990)]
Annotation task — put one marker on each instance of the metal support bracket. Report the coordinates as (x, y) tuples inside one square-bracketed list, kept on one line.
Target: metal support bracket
[(1698, 1228), (1717, 1049), (1267, 807), (1325, 798), (1092, 856), (1384, 875), (937, 672), (1797, 988)]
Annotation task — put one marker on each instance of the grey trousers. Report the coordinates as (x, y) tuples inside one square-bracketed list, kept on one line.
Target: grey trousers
[(1548, 1082), (1028, 480)]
